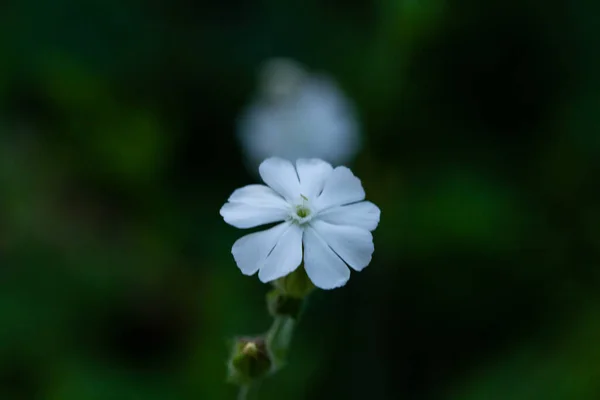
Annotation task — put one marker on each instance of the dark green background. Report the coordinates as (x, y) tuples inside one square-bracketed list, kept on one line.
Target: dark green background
[(482, 148)]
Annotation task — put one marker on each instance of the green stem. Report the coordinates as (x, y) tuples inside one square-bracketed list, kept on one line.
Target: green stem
[(243, 393), (279, 338)]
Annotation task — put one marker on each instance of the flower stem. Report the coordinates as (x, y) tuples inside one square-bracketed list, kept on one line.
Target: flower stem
[(243, 393), (279, 338)]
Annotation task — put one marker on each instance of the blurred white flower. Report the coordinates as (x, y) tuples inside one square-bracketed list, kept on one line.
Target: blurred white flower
[(298, 115), (321, 209)]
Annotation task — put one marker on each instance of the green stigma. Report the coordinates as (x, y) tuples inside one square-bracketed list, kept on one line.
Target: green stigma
[(302, 212)]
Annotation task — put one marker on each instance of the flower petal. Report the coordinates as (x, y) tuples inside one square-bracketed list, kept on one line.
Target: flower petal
[(341, 187), (353, 245), (312, 173), (285, 257), (254, 205), (243, 216), (281, 176), (324, 268), (364, 215), (251, 251), (258, 195)]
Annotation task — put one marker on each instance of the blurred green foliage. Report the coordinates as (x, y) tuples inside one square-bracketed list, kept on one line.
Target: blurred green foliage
[(482, 150)]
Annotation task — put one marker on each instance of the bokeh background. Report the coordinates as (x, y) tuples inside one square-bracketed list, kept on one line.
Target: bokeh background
[(481, 147)]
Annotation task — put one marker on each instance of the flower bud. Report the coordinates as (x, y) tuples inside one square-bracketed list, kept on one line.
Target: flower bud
[(249, 361)]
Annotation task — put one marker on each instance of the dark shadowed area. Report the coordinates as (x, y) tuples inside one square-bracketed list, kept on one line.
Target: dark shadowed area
[(480, 133)]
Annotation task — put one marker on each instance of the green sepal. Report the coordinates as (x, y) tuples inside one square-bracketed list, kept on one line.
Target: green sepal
[(296, 284)]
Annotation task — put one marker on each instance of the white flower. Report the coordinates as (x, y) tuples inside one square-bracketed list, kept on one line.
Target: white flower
[(298, 115), (321, 209)]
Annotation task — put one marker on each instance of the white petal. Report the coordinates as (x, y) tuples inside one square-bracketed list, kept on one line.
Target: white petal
[(341, 187), (258, 195), (243, 216), (251, 251), (285, 257), (281, 176), (324, 268), (254, 205), (363, 215), (353, 245), (312, 173)]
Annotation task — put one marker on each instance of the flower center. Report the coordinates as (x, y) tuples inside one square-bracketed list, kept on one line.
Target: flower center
[(301, 213)]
